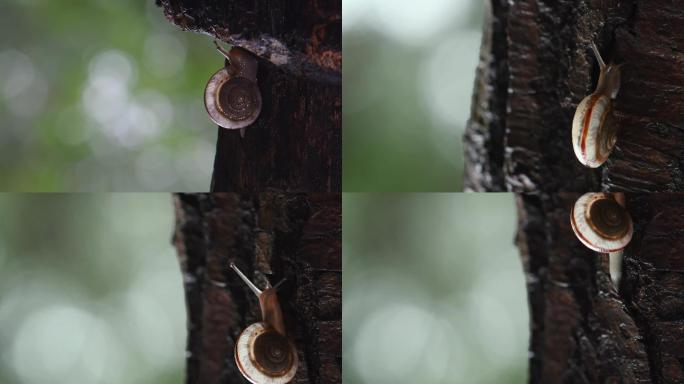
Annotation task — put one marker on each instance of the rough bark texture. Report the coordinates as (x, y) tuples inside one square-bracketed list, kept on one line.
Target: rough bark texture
[(269, 235), (536, 66), (583, 331), (295, 144)]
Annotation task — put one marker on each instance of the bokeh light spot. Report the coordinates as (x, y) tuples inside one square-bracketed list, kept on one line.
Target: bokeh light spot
[(399, 342), (407, 21), (25, 90), (164, 55), (62, 343)]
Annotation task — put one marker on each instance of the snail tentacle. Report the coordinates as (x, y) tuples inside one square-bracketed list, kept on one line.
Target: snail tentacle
[(222, 50), (244, 278), (594, 48)]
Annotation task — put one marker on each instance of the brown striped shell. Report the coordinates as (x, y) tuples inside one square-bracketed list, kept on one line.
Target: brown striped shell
[(594, 129), (264, 356), (601, 223), (232, 97)]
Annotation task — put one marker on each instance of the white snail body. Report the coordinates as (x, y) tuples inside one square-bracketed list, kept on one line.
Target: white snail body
[(601, 223), (594, 130), (232, 98), (263, 353)]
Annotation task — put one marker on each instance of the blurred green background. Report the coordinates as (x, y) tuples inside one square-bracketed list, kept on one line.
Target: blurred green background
[(102, 95), (409, 70), (434, 290), (90, 290)]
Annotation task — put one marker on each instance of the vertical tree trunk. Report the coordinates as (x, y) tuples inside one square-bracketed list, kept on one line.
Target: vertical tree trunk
[(295, 144), (269, 236), (583, 331), (536, 66)]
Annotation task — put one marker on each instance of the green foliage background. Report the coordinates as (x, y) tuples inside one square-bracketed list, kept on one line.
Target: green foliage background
[(409, 70), (90, 290), (102, 96), (434, 290)]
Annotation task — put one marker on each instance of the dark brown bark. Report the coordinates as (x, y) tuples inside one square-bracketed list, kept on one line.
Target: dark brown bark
[(273, 236), (295, 144), (583, 331), (535, 68)]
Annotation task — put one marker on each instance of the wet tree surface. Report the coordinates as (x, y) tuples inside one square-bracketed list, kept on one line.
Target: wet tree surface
[(295, 144), (269, 236), (582, 329), (536, 66)]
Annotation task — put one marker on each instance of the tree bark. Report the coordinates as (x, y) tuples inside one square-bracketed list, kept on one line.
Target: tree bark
[(536, 66), (269, 236), (295, 144), (582, 329)]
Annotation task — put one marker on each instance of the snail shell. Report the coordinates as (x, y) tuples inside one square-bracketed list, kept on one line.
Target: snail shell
[(232, 97), (601, 223), (263, 353), (594, 129), (265, 356)]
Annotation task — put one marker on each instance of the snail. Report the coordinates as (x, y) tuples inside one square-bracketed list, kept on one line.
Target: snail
[(232, 97), (263, 353), (601, 222), (594, 130)]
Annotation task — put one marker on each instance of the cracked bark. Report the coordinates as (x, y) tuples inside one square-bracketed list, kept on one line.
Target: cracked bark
[(536, 66), (583, 331), (295, 144), (269, 236)]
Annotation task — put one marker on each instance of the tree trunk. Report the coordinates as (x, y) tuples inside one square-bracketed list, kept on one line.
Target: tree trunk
[(295, 144), (536, 66), (583, 330), (269, 236)]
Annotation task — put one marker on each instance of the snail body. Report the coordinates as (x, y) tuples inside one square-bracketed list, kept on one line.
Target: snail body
[(232, 97), (263, 353), (594, 129), (601, 222)]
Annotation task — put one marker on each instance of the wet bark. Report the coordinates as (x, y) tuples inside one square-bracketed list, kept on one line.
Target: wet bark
[(536, 66), (582, 329), (295, 144), (269, 236)]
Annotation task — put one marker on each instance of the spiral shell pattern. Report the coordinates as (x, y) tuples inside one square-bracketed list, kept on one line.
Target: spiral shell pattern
[(264, 356), (232, 102), (601, 223)]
